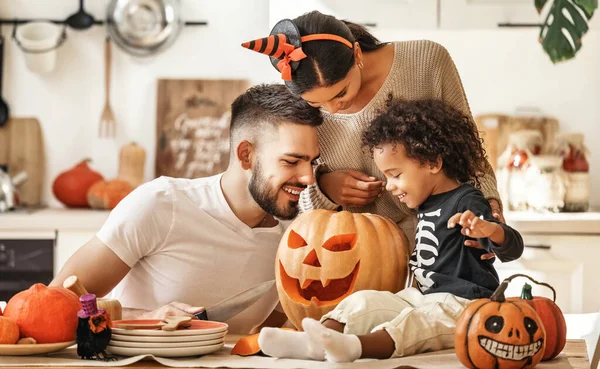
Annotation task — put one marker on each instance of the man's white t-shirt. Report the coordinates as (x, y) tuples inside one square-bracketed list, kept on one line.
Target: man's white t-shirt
[(184, 243)]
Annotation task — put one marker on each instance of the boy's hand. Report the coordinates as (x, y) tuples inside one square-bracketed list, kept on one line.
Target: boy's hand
[(474, 227)]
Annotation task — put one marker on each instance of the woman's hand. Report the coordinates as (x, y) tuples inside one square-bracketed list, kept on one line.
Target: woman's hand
[(350, 187)]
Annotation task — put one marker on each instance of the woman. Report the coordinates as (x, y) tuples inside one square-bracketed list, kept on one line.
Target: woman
[(341, 68)]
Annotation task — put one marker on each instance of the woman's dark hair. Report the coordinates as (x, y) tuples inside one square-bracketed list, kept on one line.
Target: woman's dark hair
[(328, 61), (428, 130)]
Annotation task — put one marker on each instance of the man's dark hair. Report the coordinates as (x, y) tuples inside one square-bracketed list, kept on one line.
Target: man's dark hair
[(430, 130), (270, 104)]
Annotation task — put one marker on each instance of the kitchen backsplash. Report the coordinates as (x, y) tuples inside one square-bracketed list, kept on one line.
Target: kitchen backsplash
[(501, 70)]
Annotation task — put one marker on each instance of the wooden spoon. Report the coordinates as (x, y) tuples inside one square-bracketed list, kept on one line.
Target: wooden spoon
[(170, 323)]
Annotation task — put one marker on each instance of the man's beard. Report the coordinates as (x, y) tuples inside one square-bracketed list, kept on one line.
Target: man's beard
[(266, 196)]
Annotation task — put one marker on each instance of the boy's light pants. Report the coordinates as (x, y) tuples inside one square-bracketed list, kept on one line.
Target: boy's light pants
[(416, 322)]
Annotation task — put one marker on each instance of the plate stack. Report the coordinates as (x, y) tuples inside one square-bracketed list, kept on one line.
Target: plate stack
[(200, 338)]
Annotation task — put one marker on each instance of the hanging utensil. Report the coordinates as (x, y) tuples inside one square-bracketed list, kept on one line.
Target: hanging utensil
[(80, 20), (3, 107), (143, 28), (107, 120)]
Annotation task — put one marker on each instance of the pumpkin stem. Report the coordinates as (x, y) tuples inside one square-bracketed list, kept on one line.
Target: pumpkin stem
[(498, 295), (534, 281), (526, 292)]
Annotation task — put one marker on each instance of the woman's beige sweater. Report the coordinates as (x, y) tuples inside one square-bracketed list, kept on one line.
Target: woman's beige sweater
[(420, 70)]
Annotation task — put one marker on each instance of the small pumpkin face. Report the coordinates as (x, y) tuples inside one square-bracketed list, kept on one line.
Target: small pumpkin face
[(503, 335), (325, 256)]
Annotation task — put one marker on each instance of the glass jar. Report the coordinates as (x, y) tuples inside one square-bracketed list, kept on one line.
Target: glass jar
[(571, 148), (546, 180), (512, 164)]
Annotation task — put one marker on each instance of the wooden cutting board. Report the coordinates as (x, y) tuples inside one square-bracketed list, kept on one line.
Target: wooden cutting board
[(22, 149), (192, 126)]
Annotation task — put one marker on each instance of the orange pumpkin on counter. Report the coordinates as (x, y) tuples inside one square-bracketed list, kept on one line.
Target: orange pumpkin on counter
[(46, 314), (552, 317), (324, 256), (499, 333), (9, 331), (71, 187), (107, 194)]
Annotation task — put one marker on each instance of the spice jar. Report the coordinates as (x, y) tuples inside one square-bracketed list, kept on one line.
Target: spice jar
[(512, 164), (546, 184), (571, 148)]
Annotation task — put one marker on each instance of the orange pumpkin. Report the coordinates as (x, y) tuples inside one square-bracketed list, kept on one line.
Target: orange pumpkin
[(499, 333), (46, 314), (9, 331), (325, 256), (71, 187), (552, 318), (108, 194)]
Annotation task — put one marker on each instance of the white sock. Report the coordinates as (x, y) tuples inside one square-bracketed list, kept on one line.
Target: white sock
[(280, 343), (339, 347)]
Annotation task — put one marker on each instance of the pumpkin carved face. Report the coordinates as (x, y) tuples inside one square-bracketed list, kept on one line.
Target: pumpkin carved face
[(496, 333), (325, 256)]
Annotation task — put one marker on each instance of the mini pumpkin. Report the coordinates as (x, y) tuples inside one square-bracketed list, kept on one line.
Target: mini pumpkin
[(46, 314), (551, 316), (106, 195), (324, 256), (499, 333), (9, 331)]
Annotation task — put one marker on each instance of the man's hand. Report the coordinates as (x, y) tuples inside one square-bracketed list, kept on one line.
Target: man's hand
[(174, 308), (350, 187)]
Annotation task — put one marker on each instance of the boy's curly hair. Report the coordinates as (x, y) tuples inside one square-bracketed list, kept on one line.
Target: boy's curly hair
[(428, 130)]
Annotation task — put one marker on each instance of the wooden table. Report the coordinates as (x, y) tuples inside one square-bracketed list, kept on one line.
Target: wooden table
[(574, 349)]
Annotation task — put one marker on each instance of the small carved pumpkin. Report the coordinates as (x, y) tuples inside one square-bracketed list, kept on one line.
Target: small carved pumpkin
[(325, 256), (552, 318), (500, 334), (47, 314), (9, 331), (106, 195)]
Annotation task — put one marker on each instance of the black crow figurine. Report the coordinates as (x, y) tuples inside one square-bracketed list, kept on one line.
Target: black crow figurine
[(93, 330)]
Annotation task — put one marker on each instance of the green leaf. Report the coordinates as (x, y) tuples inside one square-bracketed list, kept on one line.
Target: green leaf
[(588, 6), (558, 46), (539, 5)]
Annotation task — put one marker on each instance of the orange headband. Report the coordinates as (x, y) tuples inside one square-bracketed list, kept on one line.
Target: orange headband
[(277, 46)]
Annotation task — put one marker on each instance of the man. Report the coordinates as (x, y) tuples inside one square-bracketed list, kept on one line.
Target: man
[(174, 246)]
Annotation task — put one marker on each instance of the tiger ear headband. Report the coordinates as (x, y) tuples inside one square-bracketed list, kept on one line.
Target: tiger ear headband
[(284, 46)]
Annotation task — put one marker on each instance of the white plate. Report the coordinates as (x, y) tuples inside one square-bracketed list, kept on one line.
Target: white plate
[(198, 328), (204, 337), (165, 344), (33, 349), (165, 352)]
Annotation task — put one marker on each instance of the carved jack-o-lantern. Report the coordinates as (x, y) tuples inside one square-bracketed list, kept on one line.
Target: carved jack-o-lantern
[(500, 334), (325, 256)]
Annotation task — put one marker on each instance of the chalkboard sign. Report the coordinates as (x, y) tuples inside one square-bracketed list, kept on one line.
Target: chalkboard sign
[(192, 126)]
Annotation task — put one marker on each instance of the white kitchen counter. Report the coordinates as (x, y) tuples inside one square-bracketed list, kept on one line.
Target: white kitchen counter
[(555, 223), (52, 219)]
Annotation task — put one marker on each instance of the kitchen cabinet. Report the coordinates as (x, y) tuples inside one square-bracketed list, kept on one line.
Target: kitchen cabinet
[(568, 262), (385, 14), (487, 14)]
